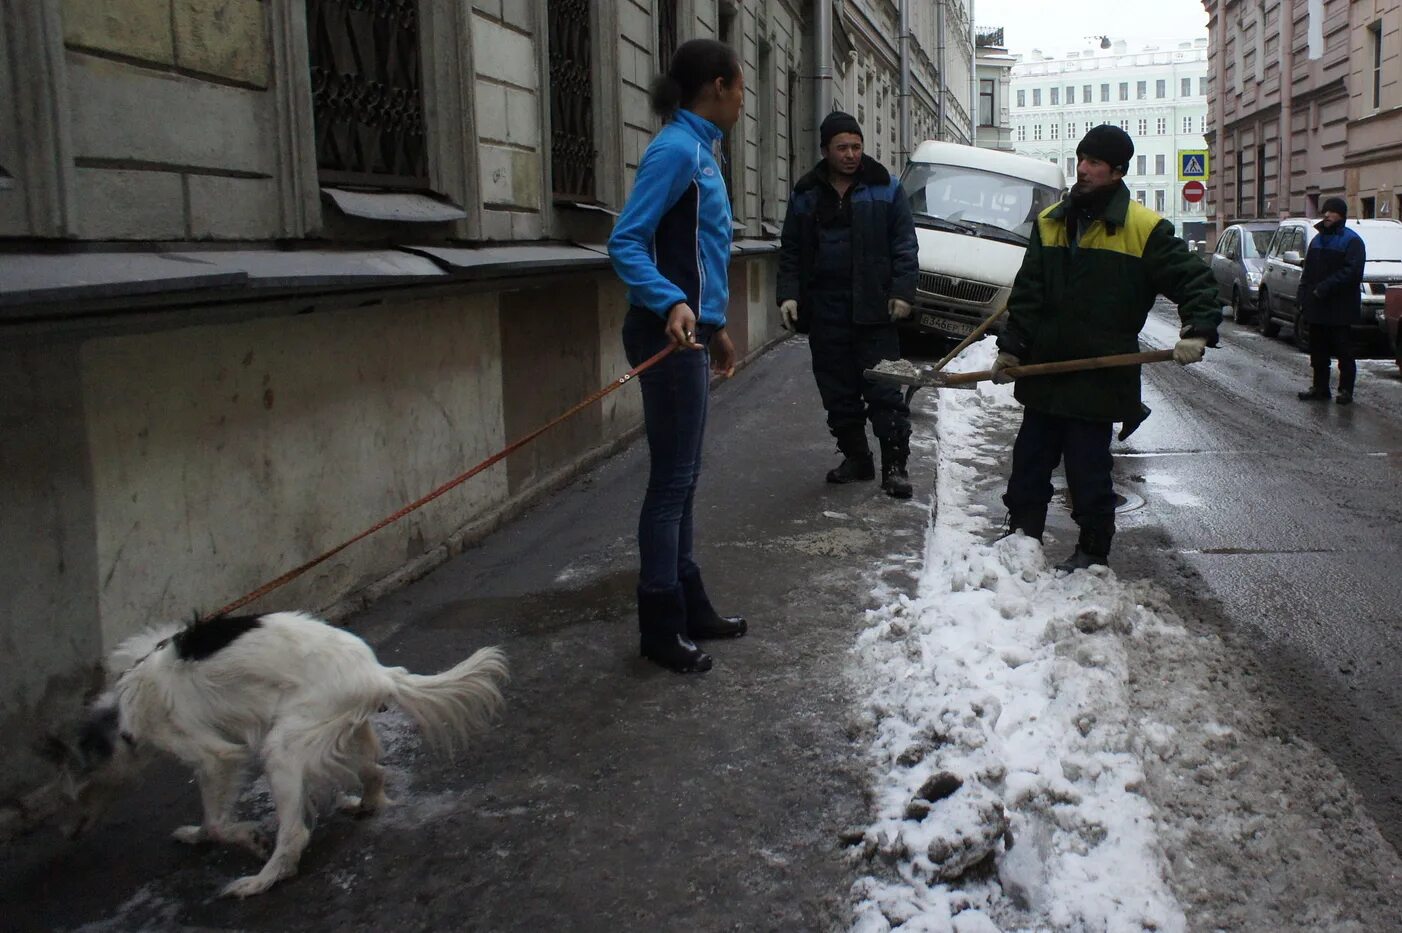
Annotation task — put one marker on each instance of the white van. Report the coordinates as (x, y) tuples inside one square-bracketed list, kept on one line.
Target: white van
[(974, 213)]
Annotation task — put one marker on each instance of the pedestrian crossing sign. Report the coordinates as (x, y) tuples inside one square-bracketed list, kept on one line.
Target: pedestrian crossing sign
[(1192, 165)]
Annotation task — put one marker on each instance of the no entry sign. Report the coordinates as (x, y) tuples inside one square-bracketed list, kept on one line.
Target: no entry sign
[(1194, 191)]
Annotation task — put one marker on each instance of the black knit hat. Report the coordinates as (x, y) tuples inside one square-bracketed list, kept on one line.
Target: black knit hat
[(1108, 143), (1337, 205), (838, 122)]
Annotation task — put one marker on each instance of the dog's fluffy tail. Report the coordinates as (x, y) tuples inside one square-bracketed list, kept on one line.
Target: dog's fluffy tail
[(460, 702)]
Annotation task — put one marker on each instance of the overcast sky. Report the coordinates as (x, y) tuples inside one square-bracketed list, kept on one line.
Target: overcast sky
[(1060, 25)]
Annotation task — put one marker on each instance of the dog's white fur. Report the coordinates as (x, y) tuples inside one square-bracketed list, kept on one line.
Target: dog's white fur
[(297, 695)]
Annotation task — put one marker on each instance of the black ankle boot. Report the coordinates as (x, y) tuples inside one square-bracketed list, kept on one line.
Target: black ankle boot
[(702, 620), (662, 627), (1315, 394), (1030, 521), (1093, 547), (856, 464), (1345, 397), (894, 454)]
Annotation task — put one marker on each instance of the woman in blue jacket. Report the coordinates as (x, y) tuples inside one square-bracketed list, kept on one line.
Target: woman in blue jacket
[(671, 247)]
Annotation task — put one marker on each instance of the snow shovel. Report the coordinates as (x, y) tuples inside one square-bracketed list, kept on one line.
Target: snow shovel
[(975, 334), (903, 372)]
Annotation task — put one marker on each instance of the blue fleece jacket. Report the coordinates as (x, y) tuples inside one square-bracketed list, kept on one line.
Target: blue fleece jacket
[(672, 241)]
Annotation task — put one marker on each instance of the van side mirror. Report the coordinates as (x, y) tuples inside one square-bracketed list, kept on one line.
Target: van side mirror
[(1293, 257)]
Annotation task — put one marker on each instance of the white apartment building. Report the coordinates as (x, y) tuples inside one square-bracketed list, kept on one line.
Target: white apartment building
[(1157, 94)]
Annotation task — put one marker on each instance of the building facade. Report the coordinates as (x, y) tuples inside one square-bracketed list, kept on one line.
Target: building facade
[(1306, 104), (994, 73), (1158, 94), (270, 269)]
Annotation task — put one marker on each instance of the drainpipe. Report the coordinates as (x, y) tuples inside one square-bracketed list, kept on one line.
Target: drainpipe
[(973, 78), (822, 99), (903, 90), (939, 64), (1285, 136), (1221, 99)]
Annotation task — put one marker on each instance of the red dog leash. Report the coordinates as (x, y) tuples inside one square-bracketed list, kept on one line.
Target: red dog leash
[(297, 571)]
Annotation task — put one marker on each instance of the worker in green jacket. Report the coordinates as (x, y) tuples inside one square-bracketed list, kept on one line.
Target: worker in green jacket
[(1096, 263)]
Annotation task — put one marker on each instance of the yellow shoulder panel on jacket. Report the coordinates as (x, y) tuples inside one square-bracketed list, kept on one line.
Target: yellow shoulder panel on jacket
[(1129, 239)]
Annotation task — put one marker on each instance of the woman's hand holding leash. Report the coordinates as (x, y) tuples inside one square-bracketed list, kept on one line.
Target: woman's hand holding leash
[(681, 326)]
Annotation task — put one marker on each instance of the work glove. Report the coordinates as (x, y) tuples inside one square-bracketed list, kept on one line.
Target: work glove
[(1189, 350), (900, 309), (788, 312), (1004, 361)]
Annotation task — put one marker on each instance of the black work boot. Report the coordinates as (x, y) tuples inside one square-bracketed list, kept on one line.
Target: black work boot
[(895, 452), (1319, 388), (856, 462), (702, 620), (1093, 548), (1345, 397), (1031, 521), (662, 627)]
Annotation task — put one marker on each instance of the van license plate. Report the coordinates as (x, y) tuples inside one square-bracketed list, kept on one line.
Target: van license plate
[(957, 328)]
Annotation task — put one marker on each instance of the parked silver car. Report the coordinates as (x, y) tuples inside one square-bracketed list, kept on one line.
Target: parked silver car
[(1278, 300), (1237, 263)]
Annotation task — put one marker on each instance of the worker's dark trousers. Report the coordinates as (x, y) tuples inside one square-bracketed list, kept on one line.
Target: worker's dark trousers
[(1042, 442), (842, 351)]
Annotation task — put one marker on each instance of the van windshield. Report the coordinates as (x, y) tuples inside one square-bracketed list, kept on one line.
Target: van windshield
[(965, 195)]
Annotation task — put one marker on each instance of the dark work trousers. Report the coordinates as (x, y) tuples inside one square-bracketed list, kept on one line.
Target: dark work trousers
[(841, 351), (1042, 442), (675, 398), (1332, 341)]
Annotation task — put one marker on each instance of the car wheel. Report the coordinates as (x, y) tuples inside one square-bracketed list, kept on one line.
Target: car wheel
[(1301, 337), (1239, 312), (1265, 322)]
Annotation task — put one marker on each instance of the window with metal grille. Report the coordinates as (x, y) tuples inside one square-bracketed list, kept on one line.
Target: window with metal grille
[(666, 34), (367, 97), (572, 151)]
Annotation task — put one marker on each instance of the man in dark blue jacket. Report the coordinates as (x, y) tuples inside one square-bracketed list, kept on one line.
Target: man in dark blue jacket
[(1329, 296), (847, 273)]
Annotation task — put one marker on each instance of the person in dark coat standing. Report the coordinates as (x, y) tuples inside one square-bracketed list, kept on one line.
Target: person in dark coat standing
[(847, 271), (1096, 262), (1329, 296)]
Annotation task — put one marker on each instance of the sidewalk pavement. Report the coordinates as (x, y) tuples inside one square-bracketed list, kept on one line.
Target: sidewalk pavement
[(614, 795)]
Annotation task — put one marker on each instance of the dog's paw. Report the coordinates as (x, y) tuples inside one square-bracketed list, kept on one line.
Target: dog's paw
[(190, 835), (247, 886)]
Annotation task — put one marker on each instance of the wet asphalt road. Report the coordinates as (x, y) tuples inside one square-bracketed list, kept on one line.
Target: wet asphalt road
[(1289, 514)]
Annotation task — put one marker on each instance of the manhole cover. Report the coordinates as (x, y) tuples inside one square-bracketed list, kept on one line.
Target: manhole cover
[(1123, 502)]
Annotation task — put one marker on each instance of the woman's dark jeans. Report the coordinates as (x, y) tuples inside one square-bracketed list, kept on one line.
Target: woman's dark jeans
[(674, 412)]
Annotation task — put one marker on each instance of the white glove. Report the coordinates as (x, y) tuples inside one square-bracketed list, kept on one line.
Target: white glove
[(788, 312), (900, 309), (1004, 361), (1189, 350)]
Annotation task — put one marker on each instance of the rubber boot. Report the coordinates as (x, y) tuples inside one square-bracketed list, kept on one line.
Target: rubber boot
[(895, 452), (662, 627), (1093, 547), (702, 620), (856, 464)]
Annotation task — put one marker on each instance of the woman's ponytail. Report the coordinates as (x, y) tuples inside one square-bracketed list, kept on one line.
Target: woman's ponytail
[(695, 65)]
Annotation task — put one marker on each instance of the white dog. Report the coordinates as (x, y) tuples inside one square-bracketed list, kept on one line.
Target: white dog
[(285, 689)]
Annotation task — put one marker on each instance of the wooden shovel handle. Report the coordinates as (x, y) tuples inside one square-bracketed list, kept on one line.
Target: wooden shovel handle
[(1064, 366), (976, 334)]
